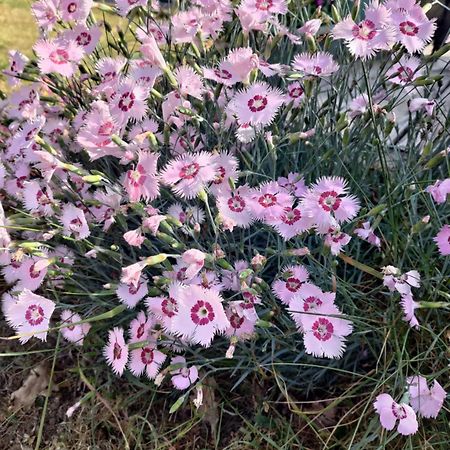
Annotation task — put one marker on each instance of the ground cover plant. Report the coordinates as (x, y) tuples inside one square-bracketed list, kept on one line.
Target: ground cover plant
[(225, 225)]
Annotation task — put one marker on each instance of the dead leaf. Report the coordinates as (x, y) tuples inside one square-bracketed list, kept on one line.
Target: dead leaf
[(210, 408), (35, 384)]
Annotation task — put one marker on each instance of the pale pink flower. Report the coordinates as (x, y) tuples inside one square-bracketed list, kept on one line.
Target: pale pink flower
[(328, 202), (129, 101), (405, 71), (311, 27), (295, 93), (395, 281), (413, 28), (439, 190), (309, 299), (152, 223), (132, 274), (77, 10), (189, 82), (183, 376), (324, 336), (270, 201), (194, 260), (240, 326), (32, 273), (234, 206), (390, 411), (294, 184), (442, 240), (17, 63), (38, 198), (251, 19), (425, 401), (135, 238), (188, 174), (140, 328), (200, 315), (235, 68), (131, 294), (335, 239), (151, 52), (187, 215), (320, 64), (257, 105), (30, 316), (266, 8), (289, 283), (125, 6), (116, 351), (419, 103), (109, 70), (367, 233), (74, 222), (361, 104), (231, 279), (409, 306), (45, 13), (142, 181), (143, 73), (146, 360), (73, 333), (86, 38), (59, 56), (374, 33), (226, 169), (292, 222), (209, 280)]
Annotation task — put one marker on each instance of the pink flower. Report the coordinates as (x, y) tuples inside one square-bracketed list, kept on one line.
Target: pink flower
[(367, 233), (86, 38), (409, 306), (439, 190), (188, 174), (142, 182), (320, 64), (328, 202), (235, 206), (226, 169), (125, 6), (270, 201), (135, 238), (324, 336), (231, 279), (257, 105), (183, 376), (38, 198), (372, 34), (152, 223), (189, 82), (77, 10), (419, 103), (129, 101), (187, 215), (131, 294), (200, 315), (32, 273), (336, 240), (240, 326), (30, 316), (74, 222), (194, 259), (309, 299), (147, 360), (425, 401), (442, 240), (294, 184), (109, 70), (132, 274), (116, 351), (289, 283), (395, 281), (235, 68), (266, 8), (414, 29), (73, 333), (140, 328), (59, 56), (390, 411), (45, 13), (17, 63), (151, 52), (295, 93), (291, 223), (361, 104), (311, 27), (405, 71)]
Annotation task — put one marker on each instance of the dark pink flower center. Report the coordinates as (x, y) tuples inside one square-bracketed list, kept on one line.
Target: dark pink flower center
[(293, 284), (105, 129), (181, 274), (126, 101), (311, 303), (398, 411), (236, 204), (169, 307), (137, 177), (140, 330), (72, 7), (317, 70), (34, 315), (296, 92), (257, 103), (267, 200), (117, 351), (291, 216), (236, 321), (365, 30), (322, 329), (147, 355), (84, 38), (132, 289), (190, 171), (329, 201), (263, 5), (202, 313), (405, 74), (33, 272), (409, 28), (59, 56), (223, 74), (220, 175)]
